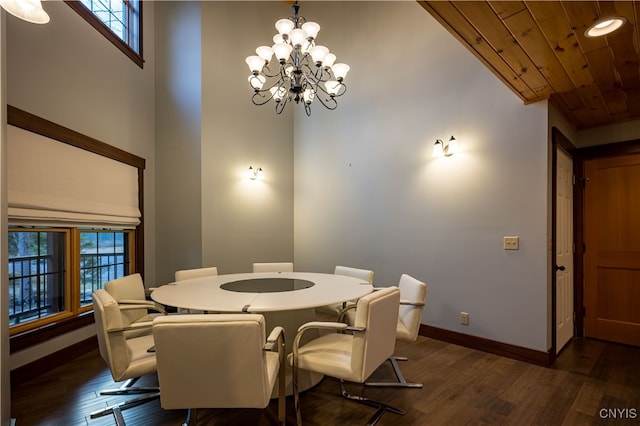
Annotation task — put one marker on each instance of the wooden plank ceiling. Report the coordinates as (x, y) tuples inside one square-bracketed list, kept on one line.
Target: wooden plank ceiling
[(539, 50)]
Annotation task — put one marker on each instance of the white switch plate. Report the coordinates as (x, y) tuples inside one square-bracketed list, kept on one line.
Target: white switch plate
[(512, 243)]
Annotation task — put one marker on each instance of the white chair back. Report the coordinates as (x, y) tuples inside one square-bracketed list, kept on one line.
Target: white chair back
[(363, 274), (107, 316), (187, 274), (130, 287), (213, 361), (377, 312), (414, 292), (273, 267)]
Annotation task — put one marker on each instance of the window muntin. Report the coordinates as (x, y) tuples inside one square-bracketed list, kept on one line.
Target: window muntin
[(53, 272), (120, 21), (38, 275), (104, 256), (120, 16)]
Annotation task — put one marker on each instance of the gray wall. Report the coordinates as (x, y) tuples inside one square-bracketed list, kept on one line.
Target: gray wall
[(244, 221), (209, 213), (178, 137), (369, 194)]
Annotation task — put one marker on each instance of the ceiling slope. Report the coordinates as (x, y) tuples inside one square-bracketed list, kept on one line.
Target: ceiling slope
[(539, 50)]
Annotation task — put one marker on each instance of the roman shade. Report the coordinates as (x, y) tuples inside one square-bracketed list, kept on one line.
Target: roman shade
[(51, 183)]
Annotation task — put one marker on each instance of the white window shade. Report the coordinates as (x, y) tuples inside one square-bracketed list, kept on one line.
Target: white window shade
[(56, 184)]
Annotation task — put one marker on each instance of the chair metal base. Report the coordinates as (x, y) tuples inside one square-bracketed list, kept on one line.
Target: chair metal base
[(402, 382), (381, 407), (148, 393)]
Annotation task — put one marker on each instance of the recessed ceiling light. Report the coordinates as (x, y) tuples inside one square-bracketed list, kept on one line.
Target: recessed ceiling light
[(605, 26)]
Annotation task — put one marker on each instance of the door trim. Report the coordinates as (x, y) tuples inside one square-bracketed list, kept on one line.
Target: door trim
[(559, 140)]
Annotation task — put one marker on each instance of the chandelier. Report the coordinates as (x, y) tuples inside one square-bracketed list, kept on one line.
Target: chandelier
[(302, 71)]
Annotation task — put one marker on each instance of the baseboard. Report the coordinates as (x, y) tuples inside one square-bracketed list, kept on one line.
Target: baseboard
[(503, 349), (40, 366)]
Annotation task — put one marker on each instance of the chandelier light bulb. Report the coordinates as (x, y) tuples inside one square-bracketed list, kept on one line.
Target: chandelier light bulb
[(278, 38), (27, 10), (284, 26), (265, 52), (282, 51), (278, 93), (332, 87), (308, 95), (297, 37), (257, 81), (318, 53), (329, 60), (311, 28), (340, 71), (255, 63)]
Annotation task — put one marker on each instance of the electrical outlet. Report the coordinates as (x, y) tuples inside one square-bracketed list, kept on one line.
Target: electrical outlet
[(464, 318), (511, 243)]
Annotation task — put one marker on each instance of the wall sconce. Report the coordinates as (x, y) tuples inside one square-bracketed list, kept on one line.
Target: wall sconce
[(442, 150), (254, 174)]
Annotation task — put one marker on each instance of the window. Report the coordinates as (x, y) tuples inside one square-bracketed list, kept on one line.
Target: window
[(120, 21), (54, 271), (74, 224)]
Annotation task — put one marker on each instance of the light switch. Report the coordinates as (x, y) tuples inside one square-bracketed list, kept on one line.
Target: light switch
[(512, 243)]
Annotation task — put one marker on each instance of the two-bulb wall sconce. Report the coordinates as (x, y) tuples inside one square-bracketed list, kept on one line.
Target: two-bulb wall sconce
[(440, 149), (255, 174)]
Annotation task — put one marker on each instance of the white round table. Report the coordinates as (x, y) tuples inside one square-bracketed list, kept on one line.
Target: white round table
[(286, 299)]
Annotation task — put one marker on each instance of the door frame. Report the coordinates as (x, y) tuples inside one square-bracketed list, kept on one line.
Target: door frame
[(559, 140)]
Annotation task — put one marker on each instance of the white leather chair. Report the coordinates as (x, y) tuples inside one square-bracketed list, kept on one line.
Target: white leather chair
[(273, 267), (219, 361), (413, 295), (364, 274), (128, 358), (351, 356), (130, 294), (187, 274)]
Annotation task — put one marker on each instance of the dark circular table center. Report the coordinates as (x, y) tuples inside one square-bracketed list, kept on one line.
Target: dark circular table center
[(266, 285)]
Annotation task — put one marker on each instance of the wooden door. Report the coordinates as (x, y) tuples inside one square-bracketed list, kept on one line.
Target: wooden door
[(564, 249), (612, 249)]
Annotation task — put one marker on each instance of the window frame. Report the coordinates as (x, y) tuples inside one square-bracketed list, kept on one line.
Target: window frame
[(72, 273), (35, 124), (102, 28)]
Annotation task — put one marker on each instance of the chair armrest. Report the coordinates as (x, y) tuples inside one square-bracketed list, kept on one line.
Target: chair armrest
[(343, 311), (406, 302), (135, 326), (141, 304), (322, 325), (276, 335)]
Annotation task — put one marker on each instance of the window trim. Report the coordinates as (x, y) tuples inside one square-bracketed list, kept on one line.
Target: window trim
[(27, 121), (100, 26), (69, 310)]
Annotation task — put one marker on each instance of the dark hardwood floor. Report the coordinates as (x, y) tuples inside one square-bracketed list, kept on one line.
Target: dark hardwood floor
[(462, 386)]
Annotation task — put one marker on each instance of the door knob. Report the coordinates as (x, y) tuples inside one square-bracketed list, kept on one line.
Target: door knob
[(560, 268)]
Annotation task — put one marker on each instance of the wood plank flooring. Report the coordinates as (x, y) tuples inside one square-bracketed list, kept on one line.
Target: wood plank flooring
[(462, 386)]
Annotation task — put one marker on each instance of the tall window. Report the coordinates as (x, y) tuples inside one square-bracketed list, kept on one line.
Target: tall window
[(120, 21), (54, 271)]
